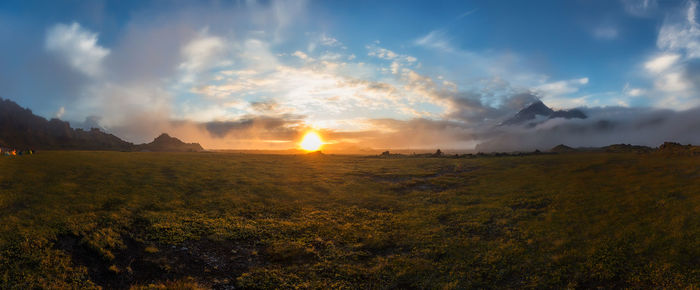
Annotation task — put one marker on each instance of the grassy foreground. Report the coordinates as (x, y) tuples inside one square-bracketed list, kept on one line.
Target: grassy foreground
[(150, 220)]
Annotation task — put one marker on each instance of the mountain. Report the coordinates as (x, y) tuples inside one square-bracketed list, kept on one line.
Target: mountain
[(673, 148), (166, 143), (561, 148), (531, 113), (619, 148), (21, 129)]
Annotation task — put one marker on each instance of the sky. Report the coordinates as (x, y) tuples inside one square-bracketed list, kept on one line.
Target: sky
[(364, 74)]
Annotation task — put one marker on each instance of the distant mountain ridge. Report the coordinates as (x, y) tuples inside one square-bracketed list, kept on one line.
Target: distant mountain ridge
[(538, 108), (22, 129)]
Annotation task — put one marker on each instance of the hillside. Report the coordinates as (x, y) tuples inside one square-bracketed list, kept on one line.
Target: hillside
[(165, 142), (561, 148), (22, 129), (673, 148)]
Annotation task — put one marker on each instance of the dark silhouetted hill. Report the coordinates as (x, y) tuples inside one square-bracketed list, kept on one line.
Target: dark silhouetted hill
[(20, 128), (561, 148), (538, 108), (674, 148), (619, 148), (165, 142)]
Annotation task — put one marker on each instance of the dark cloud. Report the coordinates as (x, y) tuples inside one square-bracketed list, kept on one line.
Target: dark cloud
[(691, 73), (264, 127), (265, 106)]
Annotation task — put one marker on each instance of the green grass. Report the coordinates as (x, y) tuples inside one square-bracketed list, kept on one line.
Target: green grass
[(200, 220)]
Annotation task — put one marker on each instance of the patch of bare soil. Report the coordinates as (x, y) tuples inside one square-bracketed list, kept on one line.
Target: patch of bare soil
[(214, 264), (407, 183)]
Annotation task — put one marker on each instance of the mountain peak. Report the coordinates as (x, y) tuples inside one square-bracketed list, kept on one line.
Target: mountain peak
[(165, 142), (164, 137), (538, 108)]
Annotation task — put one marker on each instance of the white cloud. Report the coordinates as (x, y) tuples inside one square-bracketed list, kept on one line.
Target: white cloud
[(640, 8), (60, 112), (78, 46), (436, 39), (561, 87), (672, 82), (661, 62), (380, 52), (633, 92), (329, 41), (672, 70), (395, 67), (387, 54), (681, 36), (559, 94), (201, 53), (302, 55), (323, 40), (397, 60), (605, 32)]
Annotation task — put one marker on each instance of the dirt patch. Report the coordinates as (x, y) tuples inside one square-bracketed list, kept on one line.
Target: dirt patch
[(530, 204), (214, 264), (407, 183)]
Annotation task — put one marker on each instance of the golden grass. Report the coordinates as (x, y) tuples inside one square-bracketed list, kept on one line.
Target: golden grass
[(199, 220)]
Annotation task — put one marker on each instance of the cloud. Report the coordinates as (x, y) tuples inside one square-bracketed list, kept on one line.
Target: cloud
[(604, 126), (672, 82), (329, 41), (258, 127), (89, 123), (78, 46), (681, 34), (662, 62), (323, 40), (436, 39), (302, 55), (60, 112), (640, 8), (561, 87), (467, 13), (382, 53), (672, 69), (633, 92), (200, 54), (605, 32), (398, 61)]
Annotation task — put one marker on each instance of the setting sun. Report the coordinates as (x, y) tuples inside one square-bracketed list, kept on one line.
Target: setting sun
[(311, 142)]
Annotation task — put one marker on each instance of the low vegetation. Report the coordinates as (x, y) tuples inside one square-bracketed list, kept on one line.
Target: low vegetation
[(213, 220)]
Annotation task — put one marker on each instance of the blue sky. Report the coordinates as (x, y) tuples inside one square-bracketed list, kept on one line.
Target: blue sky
[(361, 72)]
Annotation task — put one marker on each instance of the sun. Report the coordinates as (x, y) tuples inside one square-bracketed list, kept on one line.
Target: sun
[(311, 142)]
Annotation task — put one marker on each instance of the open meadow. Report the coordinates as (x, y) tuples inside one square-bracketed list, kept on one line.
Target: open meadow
[(213, 220)]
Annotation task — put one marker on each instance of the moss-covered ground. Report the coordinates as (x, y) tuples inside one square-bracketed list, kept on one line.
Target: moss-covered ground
[(214, 220)]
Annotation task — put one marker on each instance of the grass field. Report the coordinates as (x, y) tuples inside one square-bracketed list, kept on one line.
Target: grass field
[(214, 220)]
